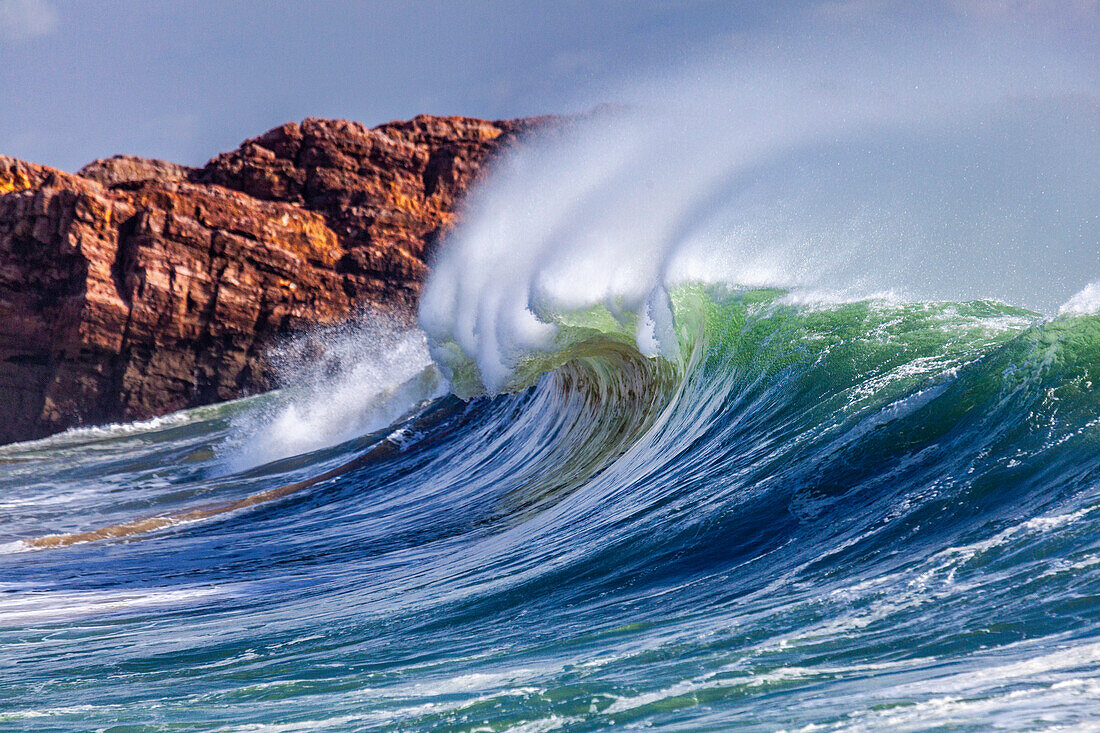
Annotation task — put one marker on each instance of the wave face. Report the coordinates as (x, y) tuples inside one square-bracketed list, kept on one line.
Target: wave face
[(746, 419), (867, 514)]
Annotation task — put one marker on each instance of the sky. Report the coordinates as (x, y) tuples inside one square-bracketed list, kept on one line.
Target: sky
[(184, 81)]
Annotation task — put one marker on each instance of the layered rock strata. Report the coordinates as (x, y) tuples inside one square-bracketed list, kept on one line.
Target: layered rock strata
[(139, 287)]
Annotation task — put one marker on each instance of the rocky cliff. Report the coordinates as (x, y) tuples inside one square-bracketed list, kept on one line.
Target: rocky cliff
[(138, 287)]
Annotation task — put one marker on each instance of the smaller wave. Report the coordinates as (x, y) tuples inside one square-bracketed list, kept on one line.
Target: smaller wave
[(111, 431), (1084, 303), (338, 384), (37, 606)]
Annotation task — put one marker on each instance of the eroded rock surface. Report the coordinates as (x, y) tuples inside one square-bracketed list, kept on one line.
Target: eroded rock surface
[(139, 287)]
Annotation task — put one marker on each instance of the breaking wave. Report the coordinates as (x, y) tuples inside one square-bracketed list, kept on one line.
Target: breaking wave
[(771, 402)]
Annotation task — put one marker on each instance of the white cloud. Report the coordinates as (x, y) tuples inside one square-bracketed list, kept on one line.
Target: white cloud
[(24, 19)]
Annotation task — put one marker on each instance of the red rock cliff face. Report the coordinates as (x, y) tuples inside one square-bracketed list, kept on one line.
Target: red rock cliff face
[(140, 287)]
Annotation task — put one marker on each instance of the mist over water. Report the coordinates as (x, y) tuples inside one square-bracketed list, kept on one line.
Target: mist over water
[(930, 166)]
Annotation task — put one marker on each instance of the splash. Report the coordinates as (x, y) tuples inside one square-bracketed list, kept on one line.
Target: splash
[(1085, 302), (338, 384)]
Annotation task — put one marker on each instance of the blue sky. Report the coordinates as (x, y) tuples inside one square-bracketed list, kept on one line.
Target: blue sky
[(186, 80)]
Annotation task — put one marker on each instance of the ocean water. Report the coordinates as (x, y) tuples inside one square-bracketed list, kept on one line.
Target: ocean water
[(854, 516), (772, 403)]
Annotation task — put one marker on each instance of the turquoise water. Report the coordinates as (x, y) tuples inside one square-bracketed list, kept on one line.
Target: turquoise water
[(861, 515)]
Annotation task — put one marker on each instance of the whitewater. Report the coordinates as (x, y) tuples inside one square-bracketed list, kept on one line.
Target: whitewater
[(769, 400)]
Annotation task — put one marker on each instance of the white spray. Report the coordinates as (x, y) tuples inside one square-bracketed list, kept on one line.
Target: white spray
[(932, 168), (338, 384)]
